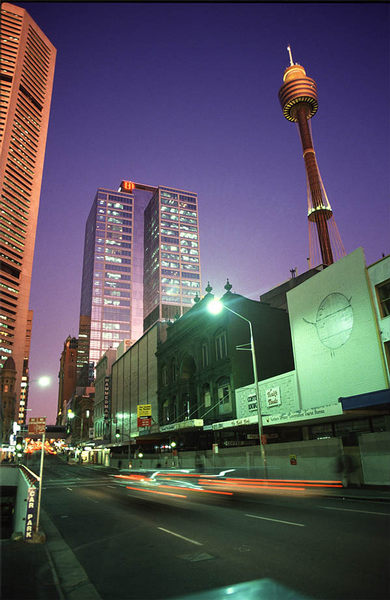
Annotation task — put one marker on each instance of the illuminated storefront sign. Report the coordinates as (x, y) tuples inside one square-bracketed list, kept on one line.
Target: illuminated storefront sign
[(127, 186), (144, 415), (106, 398), (182, 425), (32, 497)]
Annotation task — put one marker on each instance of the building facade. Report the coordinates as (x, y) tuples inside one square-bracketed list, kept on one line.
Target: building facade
[(102, 404), (111, 289), (172, 274), (134, 383), (8, 398), (27, 62), (67, 377), (200, 367), (141, 265)]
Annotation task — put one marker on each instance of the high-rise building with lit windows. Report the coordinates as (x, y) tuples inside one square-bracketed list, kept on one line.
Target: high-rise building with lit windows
[(27, 60), (141, 265), (172, 276), (111, 291)]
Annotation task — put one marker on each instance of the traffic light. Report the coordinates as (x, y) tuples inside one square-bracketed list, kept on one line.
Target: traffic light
[(117, 433), (19, 443)]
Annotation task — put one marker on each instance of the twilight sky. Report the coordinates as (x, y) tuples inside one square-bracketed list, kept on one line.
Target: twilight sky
[(186, 95)]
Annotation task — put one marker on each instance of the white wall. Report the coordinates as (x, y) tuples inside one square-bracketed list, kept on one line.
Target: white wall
[(337, 349)]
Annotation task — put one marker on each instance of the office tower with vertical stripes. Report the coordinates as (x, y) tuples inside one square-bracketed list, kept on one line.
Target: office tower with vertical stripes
[(27, 60), (141, 265)]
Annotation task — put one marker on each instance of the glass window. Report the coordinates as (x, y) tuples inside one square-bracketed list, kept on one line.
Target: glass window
[(224, 396), (220, 345), (383, 293)]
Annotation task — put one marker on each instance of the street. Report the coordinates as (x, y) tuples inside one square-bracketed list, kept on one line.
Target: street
[(141, 543)]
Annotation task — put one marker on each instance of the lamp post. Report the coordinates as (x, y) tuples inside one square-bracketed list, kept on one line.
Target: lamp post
[(118, 435), (72, 415), (215, 307)]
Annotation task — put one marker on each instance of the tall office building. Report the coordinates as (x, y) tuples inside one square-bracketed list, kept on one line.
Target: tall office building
[(67, 377), (172, 275), (27, 60), (141, 265), (111, 289)]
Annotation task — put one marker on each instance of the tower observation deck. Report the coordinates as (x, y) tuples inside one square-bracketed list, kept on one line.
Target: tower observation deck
[(298, 97)]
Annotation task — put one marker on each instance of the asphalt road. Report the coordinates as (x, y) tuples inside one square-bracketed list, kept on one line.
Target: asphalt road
[(138, 544)]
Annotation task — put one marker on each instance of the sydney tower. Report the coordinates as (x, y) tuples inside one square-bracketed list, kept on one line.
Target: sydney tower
[(298, 97)]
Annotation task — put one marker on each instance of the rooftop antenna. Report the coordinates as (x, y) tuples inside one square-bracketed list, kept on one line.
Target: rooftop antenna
[(290, 55)]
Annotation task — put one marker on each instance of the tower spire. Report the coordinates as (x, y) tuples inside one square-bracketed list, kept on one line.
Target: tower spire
[(298, 97), (290, 55)]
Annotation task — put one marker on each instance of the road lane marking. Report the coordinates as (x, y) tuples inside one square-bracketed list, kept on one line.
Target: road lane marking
[(70, 489), (180, 536), (366, 512), (276, 520), (111, 486)]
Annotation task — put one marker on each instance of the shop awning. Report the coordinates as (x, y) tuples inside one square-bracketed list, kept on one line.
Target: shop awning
[(375, 400)]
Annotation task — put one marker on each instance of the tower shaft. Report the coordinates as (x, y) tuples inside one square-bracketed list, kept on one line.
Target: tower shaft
[(321, 213)]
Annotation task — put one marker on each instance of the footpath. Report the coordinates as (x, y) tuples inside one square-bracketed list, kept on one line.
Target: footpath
[(49, 570)]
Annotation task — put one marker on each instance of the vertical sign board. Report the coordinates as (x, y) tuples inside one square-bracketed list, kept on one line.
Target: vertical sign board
[(144, 415), (107, 399), (32, 497)]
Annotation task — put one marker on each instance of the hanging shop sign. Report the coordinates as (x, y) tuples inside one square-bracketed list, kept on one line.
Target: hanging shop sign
[(144, 415)]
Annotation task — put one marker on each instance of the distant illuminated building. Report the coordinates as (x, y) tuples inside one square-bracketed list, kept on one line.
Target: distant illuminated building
[(111, 290), (141, 265), (25, 376), (172, 276), (67, 377), (27, 60)]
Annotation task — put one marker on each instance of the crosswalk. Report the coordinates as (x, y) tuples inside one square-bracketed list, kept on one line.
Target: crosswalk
[(77, 482)]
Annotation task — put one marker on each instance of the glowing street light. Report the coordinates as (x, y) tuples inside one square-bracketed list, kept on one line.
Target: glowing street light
[(215, 307)]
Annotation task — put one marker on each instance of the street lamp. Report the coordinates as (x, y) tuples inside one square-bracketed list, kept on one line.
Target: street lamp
[(215, 307), (118, 435), (72, 415)]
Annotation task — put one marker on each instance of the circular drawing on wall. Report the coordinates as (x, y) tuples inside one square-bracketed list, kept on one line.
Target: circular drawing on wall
[(334, 320)]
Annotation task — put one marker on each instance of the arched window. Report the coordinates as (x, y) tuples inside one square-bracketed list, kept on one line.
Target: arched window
[(164, 375), (224, 396), (173, 370), (206, 395), (205, 354), (165, 411), (220, 345)]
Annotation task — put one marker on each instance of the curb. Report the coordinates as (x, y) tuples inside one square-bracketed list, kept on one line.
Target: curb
[(71, 579)]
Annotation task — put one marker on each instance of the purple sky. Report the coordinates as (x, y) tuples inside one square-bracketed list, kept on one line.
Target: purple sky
[(186, 95)]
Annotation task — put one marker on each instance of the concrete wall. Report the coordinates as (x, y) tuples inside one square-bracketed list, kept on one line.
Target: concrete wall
[(315, 459), (337, 348), (14, 476), (375, 457)]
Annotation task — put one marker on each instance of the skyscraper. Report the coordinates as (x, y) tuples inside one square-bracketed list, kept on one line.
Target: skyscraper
[(141, 265), (172, 275), (27, 62), (111, 289), (67, 377)]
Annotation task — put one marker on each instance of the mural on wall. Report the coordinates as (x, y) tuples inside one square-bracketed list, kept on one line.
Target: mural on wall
[(336, 342), (334, 320)]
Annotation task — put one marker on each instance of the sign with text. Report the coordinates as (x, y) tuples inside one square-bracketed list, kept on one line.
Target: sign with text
[(107, 381), (37, 425), (144, 421), (144, 410), (272, 396), (32, 497)]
